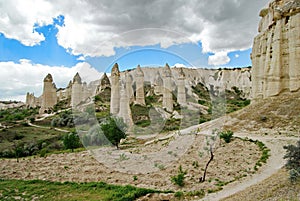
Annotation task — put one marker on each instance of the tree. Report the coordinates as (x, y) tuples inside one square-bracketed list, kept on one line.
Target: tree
[(71, 141), (211, 142), (293, 162), (114, 130)]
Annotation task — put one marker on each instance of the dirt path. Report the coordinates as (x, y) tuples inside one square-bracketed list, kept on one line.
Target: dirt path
[(274, 163), (45, 127)]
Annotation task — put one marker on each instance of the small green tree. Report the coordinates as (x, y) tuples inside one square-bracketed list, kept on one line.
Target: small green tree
[(226, 135), (293, 161), (114, 130), (179, 178), (71, 141)]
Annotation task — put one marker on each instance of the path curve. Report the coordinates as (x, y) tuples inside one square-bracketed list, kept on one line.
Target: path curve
[(274, 163)]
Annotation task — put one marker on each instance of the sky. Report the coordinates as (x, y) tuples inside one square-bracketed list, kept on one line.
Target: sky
[(38, 37)]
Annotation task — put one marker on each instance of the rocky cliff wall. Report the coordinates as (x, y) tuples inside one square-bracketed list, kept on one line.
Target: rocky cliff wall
[(276, 50)]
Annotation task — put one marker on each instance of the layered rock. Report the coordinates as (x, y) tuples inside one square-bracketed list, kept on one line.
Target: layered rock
[(49, 97), (276, 50)]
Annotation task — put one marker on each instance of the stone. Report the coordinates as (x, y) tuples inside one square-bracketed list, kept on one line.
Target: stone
[(276, 50), (77, 91), (49, 97), (140, 94), (167, 93), (129, 89), (181, 94), (125, 111), (115, 90)]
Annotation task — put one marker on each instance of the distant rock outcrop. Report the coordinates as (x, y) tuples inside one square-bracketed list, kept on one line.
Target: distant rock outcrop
[(276, 50), (49, 97)]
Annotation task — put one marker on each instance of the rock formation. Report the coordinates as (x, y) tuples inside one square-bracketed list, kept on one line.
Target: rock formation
[(49, 96), (181, 94), (158, 84), (125, 111), (129, 89), (115, 90), (167, 94), (140, 94), (77, 90), (101, 85), (276, 50), (31, 100)]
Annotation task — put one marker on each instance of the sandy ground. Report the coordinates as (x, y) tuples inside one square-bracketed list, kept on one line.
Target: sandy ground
[(148, 166)]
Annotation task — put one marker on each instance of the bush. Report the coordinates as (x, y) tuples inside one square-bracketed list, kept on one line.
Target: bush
[(114, 130), (71, 141), (293, 161), (226, 136), (179, 178)]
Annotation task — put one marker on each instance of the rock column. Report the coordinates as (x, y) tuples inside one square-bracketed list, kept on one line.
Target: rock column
[(129, 88), (140, 94), (167, 93), (181, 96), (115, 90), (125, 112), (49, 97), (77, 91)]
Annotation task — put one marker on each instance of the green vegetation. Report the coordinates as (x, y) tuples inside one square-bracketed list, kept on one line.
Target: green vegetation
[(265, 153), (46, 190), (65, 119), (21, 141), (179, 178), (114, 130), (62, 105), (72, 141), (226, 135), (140, 115), (293, 161), (12, 115)]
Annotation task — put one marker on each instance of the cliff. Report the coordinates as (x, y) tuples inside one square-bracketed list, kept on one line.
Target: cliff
[(276, 50)]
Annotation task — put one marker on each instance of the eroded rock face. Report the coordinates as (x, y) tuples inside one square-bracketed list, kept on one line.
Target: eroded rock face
[(115, 90), (276, 50), (49, 98)]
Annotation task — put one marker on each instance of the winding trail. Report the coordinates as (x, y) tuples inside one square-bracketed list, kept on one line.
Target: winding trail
[(274, 163)]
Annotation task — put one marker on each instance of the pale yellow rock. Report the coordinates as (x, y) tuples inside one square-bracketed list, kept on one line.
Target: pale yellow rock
[(167, 94), (181, 93), (115, 90), (276, 50), (77, 91), (140, 94), (49, 97)]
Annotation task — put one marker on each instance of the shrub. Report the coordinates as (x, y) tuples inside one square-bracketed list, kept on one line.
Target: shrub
[(179, 178), (71, 141), (293, 161), (226, 135), (114, 130)]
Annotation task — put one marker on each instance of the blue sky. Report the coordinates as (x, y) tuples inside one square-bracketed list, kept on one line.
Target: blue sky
[(49, 52), (40, 37)]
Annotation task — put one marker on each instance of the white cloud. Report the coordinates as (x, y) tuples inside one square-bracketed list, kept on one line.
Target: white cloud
[(220, 58), (16, 79), (178, 65), (236, 55), (95, 28)]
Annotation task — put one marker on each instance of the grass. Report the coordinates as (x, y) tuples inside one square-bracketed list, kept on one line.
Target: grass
[(46, 190)]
